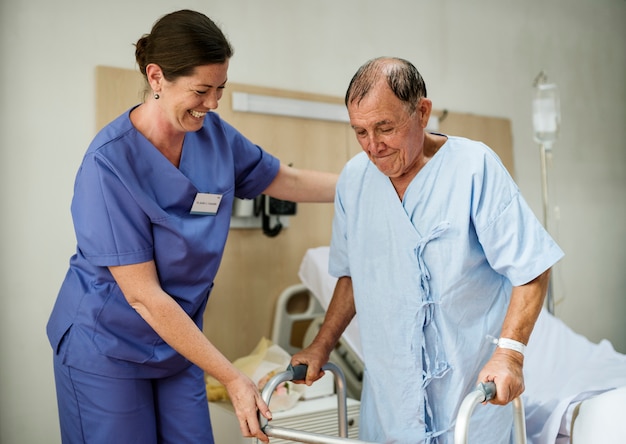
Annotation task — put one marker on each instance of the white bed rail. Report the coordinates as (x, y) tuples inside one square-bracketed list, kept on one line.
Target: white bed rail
[(484, 392)]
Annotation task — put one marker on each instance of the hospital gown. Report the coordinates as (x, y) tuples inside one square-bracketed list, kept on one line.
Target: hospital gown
[(432, 276)]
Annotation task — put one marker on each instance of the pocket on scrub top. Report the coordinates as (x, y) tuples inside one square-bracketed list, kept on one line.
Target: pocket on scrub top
[(121, 333), (60, 342)]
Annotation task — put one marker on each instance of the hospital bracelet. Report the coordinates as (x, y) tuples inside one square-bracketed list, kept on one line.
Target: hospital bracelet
[(511, 345)]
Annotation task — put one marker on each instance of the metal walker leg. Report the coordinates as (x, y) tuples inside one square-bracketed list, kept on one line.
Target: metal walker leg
[(484, 392)]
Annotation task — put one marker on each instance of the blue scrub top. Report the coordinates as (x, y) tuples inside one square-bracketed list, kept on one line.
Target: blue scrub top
[(132, 205), (432, 277)]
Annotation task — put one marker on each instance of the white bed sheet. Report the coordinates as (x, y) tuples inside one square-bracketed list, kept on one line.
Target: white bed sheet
[(561, 367)]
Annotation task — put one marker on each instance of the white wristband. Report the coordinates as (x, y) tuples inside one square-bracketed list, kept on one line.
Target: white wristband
[(511, 345)]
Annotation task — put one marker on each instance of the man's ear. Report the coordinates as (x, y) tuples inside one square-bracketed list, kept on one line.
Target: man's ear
[(424, 108)]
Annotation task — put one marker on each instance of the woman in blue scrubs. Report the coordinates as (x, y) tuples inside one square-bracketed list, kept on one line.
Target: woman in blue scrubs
[(151, 210)]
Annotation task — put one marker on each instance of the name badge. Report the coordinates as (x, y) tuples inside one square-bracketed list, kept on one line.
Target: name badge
[(206, 203)]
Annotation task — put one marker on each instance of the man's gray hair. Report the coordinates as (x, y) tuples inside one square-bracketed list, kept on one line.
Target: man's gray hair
[(402, 77)]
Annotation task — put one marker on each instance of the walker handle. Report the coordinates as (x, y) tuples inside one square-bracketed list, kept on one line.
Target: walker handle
[(488, 389), (298, 371), (485, 391)]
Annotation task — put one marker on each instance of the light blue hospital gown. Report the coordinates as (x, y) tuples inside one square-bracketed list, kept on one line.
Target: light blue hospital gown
[(432, 277)]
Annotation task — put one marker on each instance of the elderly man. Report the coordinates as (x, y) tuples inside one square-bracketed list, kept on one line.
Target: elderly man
[(442, 259)]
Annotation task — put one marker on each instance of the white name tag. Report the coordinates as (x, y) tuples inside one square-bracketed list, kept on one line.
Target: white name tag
[(206, 203)]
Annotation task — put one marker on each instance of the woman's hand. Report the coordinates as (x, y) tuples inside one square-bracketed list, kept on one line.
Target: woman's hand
[(247, 401)]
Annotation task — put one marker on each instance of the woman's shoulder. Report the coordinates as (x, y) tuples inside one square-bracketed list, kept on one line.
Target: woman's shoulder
[(115, 130)]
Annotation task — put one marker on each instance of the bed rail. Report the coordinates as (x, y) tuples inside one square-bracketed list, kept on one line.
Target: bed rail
[(484, 392)]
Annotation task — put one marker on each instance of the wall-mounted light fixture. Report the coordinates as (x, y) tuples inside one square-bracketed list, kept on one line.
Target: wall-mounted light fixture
[(281, 106)]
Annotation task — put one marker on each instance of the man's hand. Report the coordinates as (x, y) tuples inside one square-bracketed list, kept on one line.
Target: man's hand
[(505, 370), (315, 357)]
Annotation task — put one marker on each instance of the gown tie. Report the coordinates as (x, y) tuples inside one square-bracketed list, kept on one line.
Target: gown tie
[(434, 363)]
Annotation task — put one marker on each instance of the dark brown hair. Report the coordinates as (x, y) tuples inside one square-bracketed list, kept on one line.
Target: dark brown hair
[(181, 41)]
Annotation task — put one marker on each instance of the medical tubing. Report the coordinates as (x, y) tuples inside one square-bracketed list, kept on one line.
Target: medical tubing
[(298, 373), (484, 392)]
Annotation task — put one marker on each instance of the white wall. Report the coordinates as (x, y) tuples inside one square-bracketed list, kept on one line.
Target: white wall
[(479, 56)]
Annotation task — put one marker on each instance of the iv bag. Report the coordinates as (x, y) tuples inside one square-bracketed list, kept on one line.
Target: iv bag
[(546, 114)]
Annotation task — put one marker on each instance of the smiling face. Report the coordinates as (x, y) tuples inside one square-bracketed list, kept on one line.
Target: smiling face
[(184, 102), (392, 138)]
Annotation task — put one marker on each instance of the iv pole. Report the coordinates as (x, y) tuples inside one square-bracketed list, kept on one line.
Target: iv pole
[(546, 124), (545, 150)]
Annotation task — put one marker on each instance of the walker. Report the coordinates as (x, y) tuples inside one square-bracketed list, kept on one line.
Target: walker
[(483, 392)]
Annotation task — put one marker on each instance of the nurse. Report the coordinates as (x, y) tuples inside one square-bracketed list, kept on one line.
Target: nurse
[(151, 211), (440, 257)]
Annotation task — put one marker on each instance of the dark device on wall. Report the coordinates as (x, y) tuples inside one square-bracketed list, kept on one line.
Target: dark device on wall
[(267, 206)]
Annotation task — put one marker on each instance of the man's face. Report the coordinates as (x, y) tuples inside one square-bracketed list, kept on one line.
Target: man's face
[(392, 138)]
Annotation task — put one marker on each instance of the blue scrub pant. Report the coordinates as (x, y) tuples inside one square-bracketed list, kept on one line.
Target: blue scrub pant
[(98, 409)]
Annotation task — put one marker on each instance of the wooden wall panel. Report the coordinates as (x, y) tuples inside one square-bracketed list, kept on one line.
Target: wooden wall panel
[(255, 268), (117, 90)]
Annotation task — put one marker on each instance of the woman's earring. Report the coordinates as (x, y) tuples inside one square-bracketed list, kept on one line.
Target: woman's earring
[(156, 96)]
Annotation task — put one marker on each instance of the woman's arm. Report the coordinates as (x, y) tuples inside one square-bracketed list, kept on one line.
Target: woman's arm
[(302, 185), (142, 290)]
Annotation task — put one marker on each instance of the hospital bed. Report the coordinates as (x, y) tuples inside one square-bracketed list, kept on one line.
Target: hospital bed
[(573, 387)]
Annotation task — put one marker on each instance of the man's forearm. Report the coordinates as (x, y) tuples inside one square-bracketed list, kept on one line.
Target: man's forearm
[(339, 314), (524, 308)]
